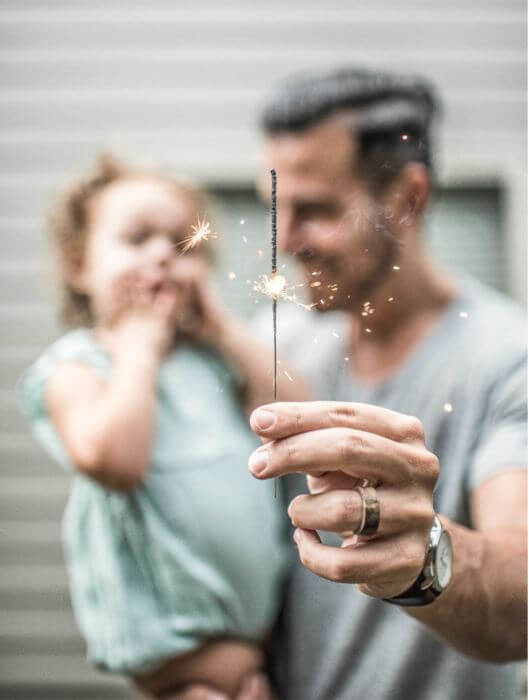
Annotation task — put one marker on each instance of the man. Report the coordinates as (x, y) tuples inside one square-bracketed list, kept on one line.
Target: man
[(429, 376), (420, 381)]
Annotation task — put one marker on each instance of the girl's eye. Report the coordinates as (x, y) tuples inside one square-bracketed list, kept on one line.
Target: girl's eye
[(138, 237)]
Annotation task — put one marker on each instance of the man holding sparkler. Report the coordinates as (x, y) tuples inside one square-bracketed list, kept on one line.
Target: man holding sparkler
[(420, 381)]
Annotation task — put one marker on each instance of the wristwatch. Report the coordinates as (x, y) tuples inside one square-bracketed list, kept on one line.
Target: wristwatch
[(436, 573)]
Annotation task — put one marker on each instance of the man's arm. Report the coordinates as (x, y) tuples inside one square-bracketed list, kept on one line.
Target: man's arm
[(483, 612), (480, 612)]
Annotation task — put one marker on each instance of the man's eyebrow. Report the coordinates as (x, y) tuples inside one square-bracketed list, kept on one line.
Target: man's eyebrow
[(323, 202)]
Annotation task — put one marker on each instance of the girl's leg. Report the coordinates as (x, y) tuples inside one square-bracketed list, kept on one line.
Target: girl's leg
[(219, 664)]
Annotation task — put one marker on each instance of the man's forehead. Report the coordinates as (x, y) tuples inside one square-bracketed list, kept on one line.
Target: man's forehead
[(323, 153)]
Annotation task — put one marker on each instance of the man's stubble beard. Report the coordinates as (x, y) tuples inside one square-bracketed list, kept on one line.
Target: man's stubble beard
[(351, 298)]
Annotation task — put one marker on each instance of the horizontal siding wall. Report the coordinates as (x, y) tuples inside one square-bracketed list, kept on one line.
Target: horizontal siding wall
[(181, 84)]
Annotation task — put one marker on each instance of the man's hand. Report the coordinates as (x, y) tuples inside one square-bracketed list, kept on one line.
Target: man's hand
[(338, 446)]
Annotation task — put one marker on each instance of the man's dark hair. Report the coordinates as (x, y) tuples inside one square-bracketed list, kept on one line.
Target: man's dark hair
[(393, 116)]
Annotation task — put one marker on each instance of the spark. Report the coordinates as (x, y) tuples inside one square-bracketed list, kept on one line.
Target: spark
[(404, 137), (335, 334), (276, 287), (260, 253), (244, 239), (448, 408), (232, 275), (287, 375), (315, 284), (241, 222), (346, 359), (367, 330), (201, 231), (463, 314), (391, 298), (396, 267)]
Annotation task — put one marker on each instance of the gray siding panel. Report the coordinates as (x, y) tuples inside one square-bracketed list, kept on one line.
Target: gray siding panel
[(180, 84)]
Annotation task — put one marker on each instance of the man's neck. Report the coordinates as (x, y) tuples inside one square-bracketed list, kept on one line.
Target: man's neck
[(397, 317)]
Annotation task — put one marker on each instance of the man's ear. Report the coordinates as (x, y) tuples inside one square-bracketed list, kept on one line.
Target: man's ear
[(408, 197)]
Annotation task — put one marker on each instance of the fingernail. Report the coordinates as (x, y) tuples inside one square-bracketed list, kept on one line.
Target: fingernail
[(263, 419), (258, 462)]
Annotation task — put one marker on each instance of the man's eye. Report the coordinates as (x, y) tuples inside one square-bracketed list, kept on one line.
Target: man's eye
[(316, 211)]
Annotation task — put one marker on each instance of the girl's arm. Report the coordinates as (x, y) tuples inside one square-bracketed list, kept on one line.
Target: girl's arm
[(234, 340), (107, 425), (253, 360)]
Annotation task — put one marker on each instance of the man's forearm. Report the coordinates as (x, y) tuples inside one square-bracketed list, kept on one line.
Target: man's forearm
[(483, 612)]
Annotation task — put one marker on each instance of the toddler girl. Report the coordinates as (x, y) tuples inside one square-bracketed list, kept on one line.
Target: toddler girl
[(175, 554)]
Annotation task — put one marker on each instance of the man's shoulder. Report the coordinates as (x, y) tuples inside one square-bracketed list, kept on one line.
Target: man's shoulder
[(493, 327), (496, 314)]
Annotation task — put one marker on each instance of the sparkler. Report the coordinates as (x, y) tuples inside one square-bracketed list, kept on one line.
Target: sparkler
[(276, 284), (201, 231)]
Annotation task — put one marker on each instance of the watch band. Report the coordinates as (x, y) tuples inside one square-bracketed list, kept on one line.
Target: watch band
[(415, 596), (425, 589)]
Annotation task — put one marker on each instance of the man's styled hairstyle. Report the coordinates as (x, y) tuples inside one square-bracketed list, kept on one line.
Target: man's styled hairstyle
[(391, 117)]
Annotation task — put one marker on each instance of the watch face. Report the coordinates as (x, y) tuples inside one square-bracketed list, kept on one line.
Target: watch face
[(443, 560)]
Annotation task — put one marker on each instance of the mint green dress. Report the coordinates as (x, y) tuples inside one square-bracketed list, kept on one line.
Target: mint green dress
[(198, 550)]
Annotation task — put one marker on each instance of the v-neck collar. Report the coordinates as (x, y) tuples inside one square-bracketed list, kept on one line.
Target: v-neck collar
[(345, 379)]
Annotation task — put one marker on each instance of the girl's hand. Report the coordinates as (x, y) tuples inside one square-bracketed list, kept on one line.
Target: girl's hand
[(142, 316), (203, 318)]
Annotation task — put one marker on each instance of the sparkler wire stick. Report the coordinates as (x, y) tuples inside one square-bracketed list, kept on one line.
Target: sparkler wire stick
[(274, 270)]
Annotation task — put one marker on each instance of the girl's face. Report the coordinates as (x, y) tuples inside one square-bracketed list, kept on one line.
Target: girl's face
[(135, 228)]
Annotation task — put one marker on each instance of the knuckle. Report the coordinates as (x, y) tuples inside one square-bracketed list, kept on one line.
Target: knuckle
[(342, 413), (298, 418), (413, 553), (414, 429), (431, 468), (287, 450), (419, 513), (304, 557), (294, 509), (351, 444), (426, 517), (346, 509), (338, 571), (408, 429)]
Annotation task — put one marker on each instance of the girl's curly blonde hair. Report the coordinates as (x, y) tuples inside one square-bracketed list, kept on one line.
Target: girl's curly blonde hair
[(69, 224)]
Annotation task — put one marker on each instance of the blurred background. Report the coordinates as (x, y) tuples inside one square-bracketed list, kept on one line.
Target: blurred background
[(180, 85)]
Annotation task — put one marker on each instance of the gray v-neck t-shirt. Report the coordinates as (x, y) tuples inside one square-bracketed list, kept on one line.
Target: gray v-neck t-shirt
[(466, 381)]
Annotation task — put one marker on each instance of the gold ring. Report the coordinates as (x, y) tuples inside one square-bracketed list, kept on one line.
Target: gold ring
[(370, 511)]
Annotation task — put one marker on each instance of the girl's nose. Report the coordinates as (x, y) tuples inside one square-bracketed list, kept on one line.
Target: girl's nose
[(161, 249)]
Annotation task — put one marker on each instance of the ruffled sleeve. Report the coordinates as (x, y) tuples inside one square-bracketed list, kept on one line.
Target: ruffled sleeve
[(77, 345)]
